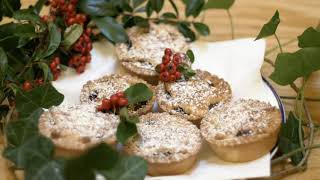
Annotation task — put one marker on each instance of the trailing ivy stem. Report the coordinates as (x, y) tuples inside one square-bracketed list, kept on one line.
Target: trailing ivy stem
[(283, 45), (231, 23), (306, 99), (278, 40), (300, 113), (291, 153), (269, 61)]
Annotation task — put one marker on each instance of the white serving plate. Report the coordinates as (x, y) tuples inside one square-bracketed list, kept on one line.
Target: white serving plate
[(237, 61)]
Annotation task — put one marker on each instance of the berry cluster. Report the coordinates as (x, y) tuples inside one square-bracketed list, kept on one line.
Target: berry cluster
[(66, 9), (168, 69), (82, 46), (116, 101), (27, 85), (55, 68)]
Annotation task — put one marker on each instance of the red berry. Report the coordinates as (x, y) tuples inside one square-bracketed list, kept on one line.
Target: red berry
[(88, 31), (83, 18), (45, 18), (56, 60), (80, 69), (61, 2), (55, 76), (74, 2), (88, 59), (123, 102), (39, 81), (172, 77), (89, 46), (177, 58), (71, 21), (165, 59), (178, 75), (164, 76), (83, 59), (86, 38), (54, 4), (27, 85), (120, 94), (114, 100), (53, 65), (168, 51), (106, 103), (171, 68), (78, 18), (162, 67), (100, 108), (70, 8)]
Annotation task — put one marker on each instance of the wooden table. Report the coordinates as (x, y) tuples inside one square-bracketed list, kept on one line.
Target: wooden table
[(248, 17)]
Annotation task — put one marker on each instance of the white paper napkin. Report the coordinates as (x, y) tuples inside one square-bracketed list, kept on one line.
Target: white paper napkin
[(237, 61)]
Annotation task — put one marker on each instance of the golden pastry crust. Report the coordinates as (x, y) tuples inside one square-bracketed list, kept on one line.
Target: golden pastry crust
[(147, 48), (75, 128), (241, 130), (165, 141), (94, 91), (193, 98)]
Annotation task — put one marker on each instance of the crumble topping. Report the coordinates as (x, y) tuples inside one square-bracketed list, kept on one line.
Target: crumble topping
[(165, 138)]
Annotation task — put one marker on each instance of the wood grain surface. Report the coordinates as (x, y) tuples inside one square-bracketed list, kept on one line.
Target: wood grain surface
[(248, 17)]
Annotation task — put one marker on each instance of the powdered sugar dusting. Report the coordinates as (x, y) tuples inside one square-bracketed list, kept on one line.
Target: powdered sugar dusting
[(239, 118), (80, 121), (166, 138)]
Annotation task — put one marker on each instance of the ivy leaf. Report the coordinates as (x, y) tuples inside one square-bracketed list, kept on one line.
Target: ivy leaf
[(48, 170), (138, 93), (98, 7), (156, 5), (40, 97), (270, 27), (9, 6), (309, 38), (290, 66), (3, 65), (125, 130), (27, 14), (71, 35), (190, 55), (202, 29), (54, 40), (186, 31), (128, 168), (36, 150), (111, 29), (289, 138), (141, 22), (136, 3), (169, 15), (174, 6), (45, 69), (149, 9), (84, 167), (38, 6), (194, 7), (219, 4)]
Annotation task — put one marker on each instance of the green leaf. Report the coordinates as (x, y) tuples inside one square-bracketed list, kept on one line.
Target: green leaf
[(3, 65), (40, 97), (190, 55), (202, 29), (219, 4), (289, 138), (38, 6), (270, 27), (186, 31), (9, 6), (54, 40), (111, 29), (174, 7), (124, 115), (34, 150), (98, 7), (84, 167), (71, 35), (136, 3), (309, 38), (186, 71), (4, 109), (27, 14), (149, 9), (128, 168), (45, 69), (157, 5), (47, 170), (125, 130), (290, 66), (194, 7), (169, 15), (141, 22), (138, 93)]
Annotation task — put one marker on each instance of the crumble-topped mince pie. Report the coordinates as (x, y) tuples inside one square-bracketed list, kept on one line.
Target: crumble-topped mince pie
[(93, 92), (193, 97), (75, 128), (168, 143), (241, 130), (146, 47)]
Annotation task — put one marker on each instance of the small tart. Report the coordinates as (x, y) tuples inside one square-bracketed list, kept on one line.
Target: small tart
[(94, 91), (241, 130), (146, 49), (168, 143), (75, 128), (192, 98)]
